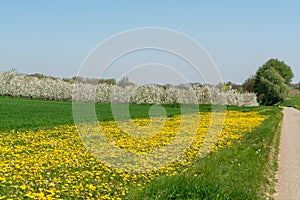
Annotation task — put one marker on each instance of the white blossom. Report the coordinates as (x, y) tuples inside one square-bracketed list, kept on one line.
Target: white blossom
[(20, 85)]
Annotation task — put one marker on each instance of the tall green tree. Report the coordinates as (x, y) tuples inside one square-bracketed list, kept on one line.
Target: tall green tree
[(283, 69), (272, 81)]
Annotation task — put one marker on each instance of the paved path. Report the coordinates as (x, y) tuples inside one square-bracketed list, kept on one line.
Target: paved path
[(289, 156)]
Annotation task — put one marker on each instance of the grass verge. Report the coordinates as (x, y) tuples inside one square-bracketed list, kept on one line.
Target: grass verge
[(292, 102)]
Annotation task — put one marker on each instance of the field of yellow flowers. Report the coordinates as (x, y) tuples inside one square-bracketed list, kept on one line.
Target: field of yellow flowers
[(53, 163)]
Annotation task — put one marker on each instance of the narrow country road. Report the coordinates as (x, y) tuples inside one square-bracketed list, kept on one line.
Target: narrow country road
[(289, 156)]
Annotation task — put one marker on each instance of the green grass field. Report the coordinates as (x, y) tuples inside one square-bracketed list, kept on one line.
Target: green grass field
[(22, 113), (245, 170)]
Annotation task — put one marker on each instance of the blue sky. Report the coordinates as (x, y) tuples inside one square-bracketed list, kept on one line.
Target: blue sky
[(54, 37)]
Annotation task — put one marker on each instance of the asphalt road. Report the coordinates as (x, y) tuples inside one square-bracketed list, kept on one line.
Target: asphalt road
[(289, 156)]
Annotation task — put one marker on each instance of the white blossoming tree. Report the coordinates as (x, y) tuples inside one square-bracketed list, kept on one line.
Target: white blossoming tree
[(20, 85)]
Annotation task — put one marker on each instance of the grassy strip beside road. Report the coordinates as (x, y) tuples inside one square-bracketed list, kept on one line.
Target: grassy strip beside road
[(292, 102)]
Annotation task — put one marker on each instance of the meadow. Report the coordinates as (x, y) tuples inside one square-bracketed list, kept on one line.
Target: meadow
[(43, 157), (292, 101)]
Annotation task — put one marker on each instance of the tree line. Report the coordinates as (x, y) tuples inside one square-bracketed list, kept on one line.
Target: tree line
[(271, 82)]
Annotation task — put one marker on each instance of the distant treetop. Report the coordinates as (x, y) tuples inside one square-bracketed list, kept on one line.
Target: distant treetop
[(271, 82)]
